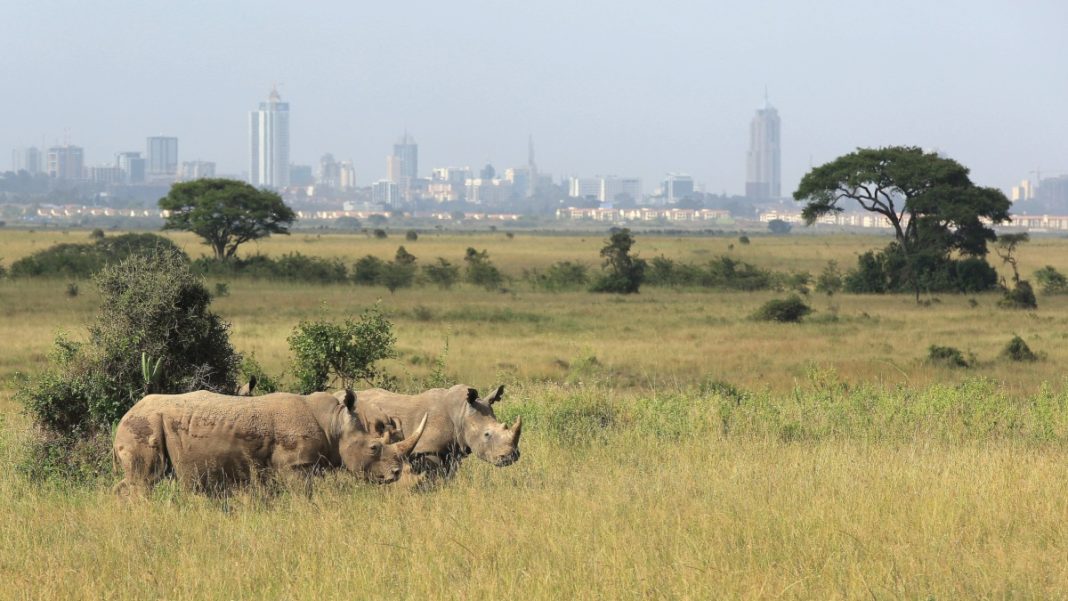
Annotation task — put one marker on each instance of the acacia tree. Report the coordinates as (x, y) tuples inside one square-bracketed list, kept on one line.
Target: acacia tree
[(623, 272), (929, 201), (225, 213)]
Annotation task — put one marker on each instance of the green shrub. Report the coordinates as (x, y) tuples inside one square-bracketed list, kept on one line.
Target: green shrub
[(623, 273), (1017, 350), (946, 356), (367, 271), (790, 309), (441, 273), (398, 273), (325, 352), (411, 235), (72, 289), (829, 280), (1022, 296), (83, 260), (154, 311), (222, 289), (1051, 280), (480, 271), (265, 383), (743, 239), (562, 275), (380, 234)]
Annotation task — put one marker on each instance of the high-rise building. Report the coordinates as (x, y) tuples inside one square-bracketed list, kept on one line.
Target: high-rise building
[(105, 174), (301, 175), (346, 176), (384, 192), (619, 188), (132, 165), (162, 156), (588, 188), (193, 170), (329, 174), (763, 175), (65, 162), (406, 152), (26, 159), (676, 186), (268, 134)]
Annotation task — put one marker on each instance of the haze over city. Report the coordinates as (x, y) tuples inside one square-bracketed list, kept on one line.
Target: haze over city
[(640, 89)]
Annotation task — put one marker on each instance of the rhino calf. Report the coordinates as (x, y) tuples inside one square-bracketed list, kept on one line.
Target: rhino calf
[(458, 423), (209, 440)]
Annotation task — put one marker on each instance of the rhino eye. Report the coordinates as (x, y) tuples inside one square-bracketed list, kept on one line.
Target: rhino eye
[(375, 447), (486, 434)]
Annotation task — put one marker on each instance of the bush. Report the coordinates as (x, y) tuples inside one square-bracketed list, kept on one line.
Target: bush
[(154, 311), (480, 271), (1022, 296), (72, 289), (830, 279), (325, 352), (380, 234), (83, 260), (887, 271), (367, 271), (411, 235), (290, 267), (1017, 350), (562, 275), (442, 273), (400, 272), (1051, 280), (623, 273), (779, 227), (265, 383), (790, 309), (743, 239), (222, 289), (946, 356)]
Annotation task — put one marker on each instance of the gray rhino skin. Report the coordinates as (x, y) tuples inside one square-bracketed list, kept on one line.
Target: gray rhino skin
[(210, 440), (458, 424)]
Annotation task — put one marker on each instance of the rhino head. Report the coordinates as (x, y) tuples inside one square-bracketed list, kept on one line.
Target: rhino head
[(488, 438), (366, 443)]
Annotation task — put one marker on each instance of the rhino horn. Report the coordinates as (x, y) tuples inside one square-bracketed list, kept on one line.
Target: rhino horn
[(406, 446)]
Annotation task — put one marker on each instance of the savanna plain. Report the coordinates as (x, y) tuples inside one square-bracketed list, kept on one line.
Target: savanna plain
[(673, 447)]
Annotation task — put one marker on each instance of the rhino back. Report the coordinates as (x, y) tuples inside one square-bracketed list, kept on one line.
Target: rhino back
[(440, 435)]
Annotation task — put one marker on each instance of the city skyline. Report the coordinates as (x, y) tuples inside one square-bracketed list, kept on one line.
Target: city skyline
[(977, 83)]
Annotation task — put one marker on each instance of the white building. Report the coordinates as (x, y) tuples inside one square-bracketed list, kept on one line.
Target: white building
[(763, 174), (162, 156), (26, 159), (192, 170), (584, 187), (616, 188), (268, 134)]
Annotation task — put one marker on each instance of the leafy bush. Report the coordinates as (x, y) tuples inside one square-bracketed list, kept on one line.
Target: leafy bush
[(411, 235), (441, 273), (829, 280), (3, 270), (368, 270), (400, 272), (154, 310), (290, 267), (265, 383), (380, 234), (1051, 280), (1022, 296), (222, 289), (790, 309), (562, 275), (887, 271), (779, 227), (83, 260), (325, 352), (72, 289), (743, 239), (946, 356), (623, 273), (731, 274), (1017, 350), (480, 271)]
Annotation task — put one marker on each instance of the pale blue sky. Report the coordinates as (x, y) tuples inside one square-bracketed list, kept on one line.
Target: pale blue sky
[(605, 87)]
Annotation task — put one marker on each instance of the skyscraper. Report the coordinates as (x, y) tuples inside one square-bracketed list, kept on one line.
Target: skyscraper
[(132, 165), (763, 177), (407, 153), (26, 159), (268, 135), (162, 155), (66, 162)]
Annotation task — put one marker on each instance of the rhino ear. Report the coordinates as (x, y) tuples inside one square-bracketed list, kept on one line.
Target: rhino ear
[(472, 395), (350, 399), (496, 396), (251, 384)]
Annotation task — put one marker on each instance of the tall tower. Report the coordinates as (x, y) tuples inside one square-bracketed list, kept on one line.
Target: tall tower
[(162, 155), (406, 152), (268, 136), (763, 177)]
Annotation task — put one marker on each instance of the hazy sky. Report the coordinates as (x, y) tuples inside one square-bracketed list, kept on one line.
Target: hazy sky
[(622, 88)]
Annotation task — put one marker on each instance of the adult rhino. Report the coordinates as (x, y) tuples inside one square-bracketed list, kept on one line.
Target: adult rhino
[(458, 424), (208, 440)]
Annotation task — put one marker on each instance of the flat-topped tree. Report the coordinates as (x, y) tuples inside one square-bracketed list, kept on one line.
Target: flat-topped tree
[(225, 213), (929, 200)]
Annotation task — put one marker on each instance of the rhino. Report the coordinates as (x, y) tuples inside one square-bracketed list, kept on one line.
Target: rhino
[(458, 423), (208, 440)]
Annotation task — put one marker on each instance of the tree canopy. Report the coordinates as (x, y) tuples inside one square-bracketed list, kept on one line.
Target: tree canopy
[(928, 199), (225, 213)]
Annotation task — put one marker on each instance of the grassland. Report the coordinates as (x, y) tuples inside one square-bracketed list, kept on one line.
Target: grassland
[(674, 448)]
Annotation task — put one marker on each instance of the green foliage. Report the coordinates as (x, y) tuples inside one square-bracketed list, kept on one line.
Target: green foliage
[(441, 273), (722, 272), (1021, 296), (3, 270), (829, 280), (779, 227), (411, 235), (290, 267), (623, 273), (400, 272), (947, 356), (83, 260), (265, 383), (787, 310), (222, 290), (879, 272), (562, 275), (154, 333), (480, 271), (1017, 350), (380, 234), (743, 239), (225, 213), (326, 352), (1051, 280), (72, 289), (367, 271)]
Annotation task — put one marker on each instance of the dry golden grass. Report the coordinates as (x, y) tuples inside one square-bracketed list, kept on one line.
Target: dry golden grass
[(635, 514)]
